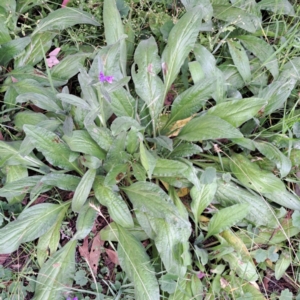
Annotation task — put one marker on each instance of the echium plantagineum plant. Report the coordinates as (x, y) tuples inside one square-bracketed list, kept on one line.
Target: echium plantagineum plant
[(136, 164)]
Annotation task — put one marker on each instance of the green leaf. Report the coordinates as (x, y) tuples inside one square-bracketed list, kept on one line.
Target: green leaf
[(12, 48), (169, 168), (63, 18), (162, 221), (282, 264), (34, 52), (237, 16), (116, 206), (81, 141), (240, 60), (180, 42), (251, 176), (64, 182), (185, 149), (284, 198), (208, 127), (259, 212), (73, 100), (277, 6), (83, 190), (85, 221), (286, 295), (56, 275), (282, 162), (102, 136), (52, 147), (122, 103), (19, 187), (237, 112), (210, 71), (114, 30), (136, 263), (28, 117), (122, 124), (191, 100), (263, 51), (32, 223), (296, 218), (147, 159), (68, 67), (202, 198), (24, 5), (226, 218), (277, 92), (110, 232), (15, 173), (147, 83), (49, 241), (242, 266), (261, 255)]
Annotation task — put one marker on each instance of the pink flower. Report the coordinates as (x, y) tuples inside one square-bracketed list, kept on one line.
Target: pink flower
[(64, 3), (52, 60), (104, 78)]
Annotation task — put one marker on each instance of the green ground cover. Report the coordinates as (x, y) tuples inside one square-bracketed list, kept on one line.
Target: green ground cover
[(149, 149)]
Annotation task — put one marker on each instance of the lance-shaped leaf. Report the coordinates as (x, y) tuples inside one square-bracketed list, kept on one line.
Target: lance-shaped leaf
[(64, 182), (63, 18), (116, 206), (56, 275), (19, 187), (73, 100), (136, 263), (180, 42), (277, 6), (12, 48), (202, 197), (263, 51), (191, 100), (49, 241), (52, 147), (226, 218), (236, 112), (240, 59), (282, 162), (259, 211), (147, 159), (147, 84), (251, 176), (85, 221), (32, 223), (83, 189), (207, 66), (114, 30), (122, 103), (237, 16), (208, 127), (162, 221), (278, 91), (242, 266), (81, 141)]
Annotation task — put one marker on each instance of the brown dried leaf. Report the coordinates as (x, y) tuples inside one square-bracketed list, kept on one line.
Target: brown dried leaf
[(95, 252), (84, 249), (3, 258), (113, 256)]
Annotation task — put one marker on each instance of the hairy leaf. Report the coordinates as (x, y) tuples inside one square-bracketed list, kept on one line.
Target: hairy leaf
[(56, 275), (226, 218), (52, 147), (208, 127), (136, 263), (83, 190), (251, 176), (32, 223)]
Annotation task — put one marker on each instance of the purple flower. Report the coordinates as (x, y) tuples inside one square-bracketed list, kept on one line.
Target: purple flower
[(104, 78)]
